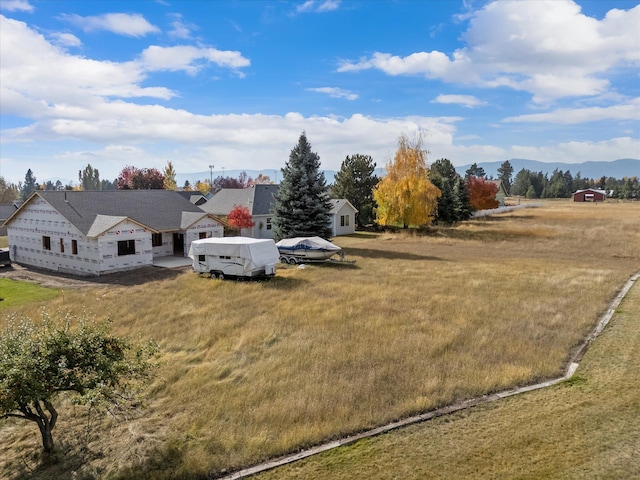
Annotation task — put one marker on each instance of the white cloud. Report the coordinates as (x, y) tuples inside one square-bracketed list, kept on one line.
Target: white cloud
[(75, 84), (468, 101), (546, 47), (131, 25), (577, 152), (179, 29), (65, 39), (623, 111), (16, 6), (72, 81), (236, 141), (189, 58), (318, 6), (565, 152), (335, 92)]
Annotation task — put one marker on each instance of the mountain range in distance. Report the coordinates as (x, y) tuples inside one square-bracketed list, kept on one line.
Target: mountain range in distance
[(625, 167)]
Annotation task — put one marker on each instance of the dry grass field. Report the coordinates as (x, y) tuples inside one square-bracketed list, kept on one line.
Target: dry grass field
[(584, 428), (253, 370)]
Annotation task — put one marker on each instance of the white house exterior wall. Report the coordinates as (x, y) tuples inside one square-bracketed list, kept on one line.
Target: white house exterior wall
[(256, 231), (110, 261), (207, 226), (39, 219), (166, 249)]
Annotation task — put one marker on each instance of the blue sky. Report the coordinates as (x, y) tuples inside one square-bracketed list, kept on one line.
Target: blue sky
[(234, 83)]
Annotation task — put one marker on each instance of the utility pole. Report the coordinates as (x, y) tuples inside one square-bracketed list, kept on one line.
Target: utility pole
[(210, 177)]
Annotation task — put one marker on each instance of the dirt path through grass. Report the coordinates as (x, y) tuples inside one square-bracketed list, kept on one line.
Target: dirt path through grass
[(573, 366)]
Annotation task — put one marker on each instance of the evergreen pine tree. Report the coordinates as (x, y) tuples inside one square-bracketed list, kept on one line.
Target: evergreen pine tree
[(444, 176), (29, 186), (302, 204), (504, 174), (355, 181), (453, 205), (463, 203)]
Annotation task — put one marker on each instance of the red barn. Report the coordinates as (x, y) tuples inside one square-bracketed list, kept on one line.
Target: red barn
[(589, 195)]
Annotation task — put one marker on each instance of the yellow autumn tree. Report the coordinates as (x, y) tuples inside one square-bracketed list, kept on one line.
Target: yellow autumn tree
[(406, 196), (203, 187), (170, 177)]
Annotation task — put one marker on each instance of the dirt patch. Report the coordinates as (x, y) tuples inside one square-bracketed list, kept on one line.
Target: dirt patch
[(62, 280)]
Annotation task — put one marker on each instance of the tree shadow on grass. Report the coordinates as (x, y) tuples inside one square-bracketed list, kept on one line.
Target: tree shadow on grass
[(389, 255), (283, 283)]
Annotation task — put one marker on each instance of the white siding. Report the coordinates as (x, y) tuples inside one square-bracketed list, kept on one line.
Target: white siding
[(110, 261), (166, 248), (346, 213), (39, 220), (261, 228), (206, 226)]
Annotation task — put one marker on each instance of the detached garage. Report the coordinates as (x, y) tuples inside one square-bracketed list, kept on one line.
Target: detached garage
[(589, 195)]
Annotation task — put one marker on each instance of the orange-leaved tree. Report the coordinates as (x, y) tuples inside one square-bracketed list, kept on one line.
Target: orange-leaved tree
[(406, 196), (482, 193), (240, 217)]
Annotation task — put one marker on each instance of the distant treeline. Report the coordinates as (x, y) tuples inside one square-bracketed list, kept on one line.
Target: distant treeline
[(563, 184)]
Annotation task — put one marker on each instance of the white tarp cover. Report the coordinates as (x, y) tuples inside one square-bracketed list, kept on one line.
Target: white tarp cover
[(307, 243), (254, 252)]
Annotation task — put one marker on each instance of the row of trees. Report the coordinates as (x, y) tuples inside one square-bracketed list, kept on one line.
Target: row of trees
[(130, 178), (562, 185), (410, 194)]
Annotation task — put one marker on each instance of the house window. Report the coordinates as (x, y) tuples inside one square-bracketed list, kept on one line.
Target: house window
[(344, 220), (74, 247), (201, 258), (156, 239), (46, 243), (269, 223), (202, 235), (126, 247), (61, 246)]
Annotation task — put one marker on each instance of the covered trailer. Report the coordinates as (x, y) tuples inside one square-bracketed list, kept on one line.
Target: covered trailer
[(234, 257)]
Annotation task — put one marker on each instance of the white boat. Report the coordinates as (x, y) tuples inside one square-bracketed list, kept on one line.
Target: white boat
[(306, 249)]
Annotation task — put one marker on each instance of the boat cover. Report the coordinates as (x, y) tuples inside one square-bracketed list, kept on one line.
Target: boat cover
[(307, 243), (255, 253)]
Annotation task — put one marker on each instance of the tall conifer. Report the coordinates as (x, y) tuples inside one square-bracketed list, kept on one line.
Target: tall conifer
[(302, 205)]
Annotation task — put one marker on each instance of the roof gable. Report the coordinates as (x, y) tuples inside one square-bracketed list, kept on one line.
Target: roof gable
[(338, 203), (596, 190)]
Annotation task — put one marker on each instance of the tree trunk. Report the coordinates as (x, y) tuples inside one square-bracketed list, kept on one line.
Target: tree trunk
[(46, 424), (47, 438)]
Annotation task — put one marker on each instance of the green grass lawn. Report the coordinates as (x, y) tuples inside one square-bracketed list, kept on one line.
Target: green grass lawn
[(586, 427), (15, 293)]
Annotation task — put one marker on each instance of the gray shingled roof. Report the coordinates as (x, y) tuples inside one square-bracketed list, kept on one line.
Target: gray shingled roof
[(257, 198), (264, 198), (161, 210), (196, 198), (6, 210), (338, 203)]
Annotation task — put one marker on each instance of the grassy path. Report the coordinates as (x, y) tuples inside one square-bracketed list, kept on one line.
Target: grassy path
[(584, 427)]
